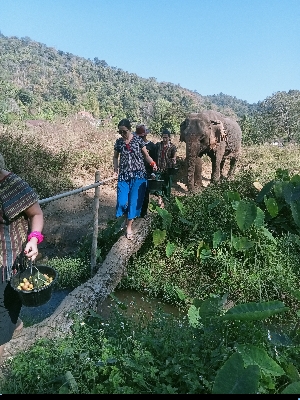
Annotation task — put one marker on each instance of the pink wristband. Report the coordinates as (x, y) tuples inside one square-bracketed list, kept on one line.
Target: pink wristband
[(37, 235)]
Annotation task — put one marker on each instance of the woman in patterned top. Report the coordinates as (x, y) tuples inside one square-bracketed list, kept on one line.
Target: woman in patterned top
[(21, 224), (131, 173)]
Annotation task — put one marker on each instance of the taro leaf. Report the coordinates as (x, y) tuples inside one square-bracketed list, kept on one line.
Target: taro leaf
[(159, 237), (233, 378), (245, 214), (296, 294), (264, 191), (268, 234), (205, 254), (296, 193), (70, 385), (166, 217), (242, 243), (253, 355), (293, 388), (170, 248), (214, 205), (232, 196), (295, 207), (210, 307), (202, 246), (180, 293), (272, 206), (186, 222), (180, 206), (193, 316), (218, 238), (288, 192), (295, 179), (260, 217), (279, 338), (279, 189), (292, 372), (254, 311)]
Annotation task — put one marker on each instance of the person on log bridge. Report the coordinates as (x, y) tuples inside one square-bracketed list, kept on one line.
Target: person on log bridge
[(128, 161)]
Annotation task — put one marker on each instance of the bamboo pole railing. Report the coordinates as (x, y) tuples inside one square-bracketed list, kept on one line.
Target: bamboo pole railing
[(95, 185)]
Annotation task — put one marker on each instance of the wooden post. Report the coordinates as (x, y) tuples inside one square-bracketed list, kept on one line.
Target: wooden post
[(95, 230)]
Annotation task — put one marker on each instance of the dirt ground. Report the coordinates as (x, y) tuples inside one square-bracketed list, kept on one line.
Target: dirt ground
[(69, 219)]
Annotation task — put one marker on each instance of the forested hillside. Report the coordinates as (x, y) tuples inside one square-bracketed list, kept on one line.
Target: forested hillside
[(41, 82)]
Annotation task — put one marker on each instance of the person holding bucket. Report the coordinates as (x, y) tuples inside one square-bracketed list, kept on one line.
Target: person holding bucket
[(166, 158), (21, 225), (142, 132), (128, 161)]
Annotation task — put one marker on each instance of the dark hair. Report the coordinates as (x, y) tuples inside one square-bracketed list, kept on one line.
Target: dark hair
[(166, 132), (125, 122)]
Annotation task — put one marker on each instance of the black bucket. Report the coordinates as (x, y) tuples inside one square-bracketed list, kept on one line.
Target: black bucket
[(155, 185), (34, 297)]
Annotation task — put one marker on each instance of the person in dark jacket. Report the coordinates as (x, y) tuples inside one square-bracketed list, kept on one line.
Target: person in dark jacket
[(142, 131), (165, 158)]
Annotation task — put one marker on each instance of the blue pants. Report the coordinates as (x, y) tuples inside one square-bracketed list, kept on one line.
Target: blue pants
[(130, 197)]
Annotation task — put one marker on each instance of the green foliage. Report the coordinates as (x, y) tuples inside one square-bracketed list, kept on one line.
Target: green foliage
[(72, 272), (220, 241), (47, 173), (159, 354), (234, 378)]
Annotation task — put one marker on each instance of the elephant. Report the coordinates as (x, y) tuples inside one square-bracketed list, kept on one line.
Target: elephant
[(212, 133)]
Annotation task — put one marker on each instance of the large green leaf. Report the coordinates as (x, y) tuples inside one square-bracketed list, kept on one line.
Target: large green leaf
[(180, 206), (280, 188), (233, 378), (293, 388), (288, 192), (295, 207), (214, 205), (232, 196), (210, 307), (296, 179), (268, 234), (245, 214), (166, 217), (264, 191), (193, 316), (159, 237), (242, 243), (253, 355), (260, 218), (254, 311), (272, 206), (170, 248), (218, 238)]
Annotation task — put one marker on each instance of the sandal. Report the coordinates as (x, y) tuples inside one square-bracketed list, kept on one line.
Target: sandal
[(129, 235)]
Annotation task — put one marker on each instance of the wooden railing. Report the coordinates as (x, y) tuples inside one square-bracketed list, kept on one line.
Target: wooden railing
[(95, 185)]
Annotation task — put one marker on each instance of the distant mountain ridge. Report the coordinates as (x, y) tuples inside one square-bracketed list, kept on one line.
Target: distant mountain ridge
[(40, 82)]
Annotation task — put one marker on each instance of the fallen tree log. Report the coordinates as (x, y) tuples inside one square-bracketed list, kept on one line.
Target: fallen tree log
[(86, 296)]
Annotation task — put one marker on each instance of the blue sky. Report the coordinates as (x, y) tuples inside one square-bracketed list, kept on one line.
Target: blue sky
[(249, 49)]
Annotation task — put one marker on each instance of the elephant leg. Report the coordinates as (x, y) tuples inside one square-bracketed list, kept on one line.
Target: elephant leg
[(222, 164), (198, 173), (216, 160), (232, 167), (190, 173), (192, 159)]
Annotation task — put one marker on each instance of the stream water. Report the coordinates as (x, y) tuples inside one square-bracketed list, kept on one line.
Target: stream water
[(134, 302)]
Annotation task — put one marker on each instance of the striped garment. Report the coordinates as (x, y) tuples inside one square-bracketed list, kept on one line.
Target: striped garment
[(15, 197), (165, 155)]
